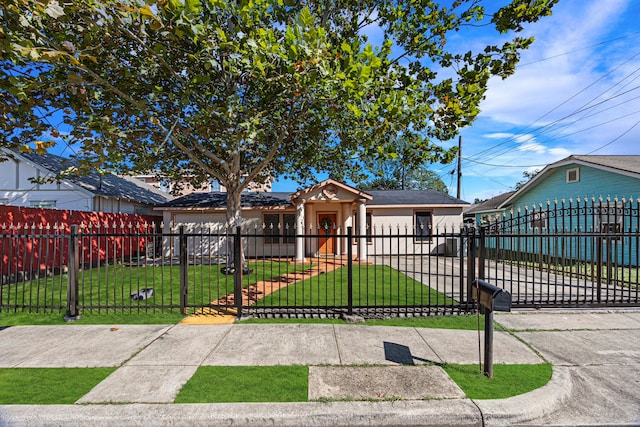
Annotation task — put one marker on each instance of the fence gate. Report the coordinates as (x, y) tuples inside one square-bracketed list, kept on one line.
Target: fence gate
[(584, 253)]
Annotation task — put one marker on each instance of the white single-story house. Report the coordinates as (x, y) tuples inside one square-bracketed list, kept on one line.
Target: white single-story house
[(90, 193), (313, 221)]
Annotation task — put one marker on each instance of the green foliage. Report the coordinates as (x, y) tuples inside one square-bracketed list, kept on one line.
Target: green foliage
[(398, 177), (241, 91), (48, 386)]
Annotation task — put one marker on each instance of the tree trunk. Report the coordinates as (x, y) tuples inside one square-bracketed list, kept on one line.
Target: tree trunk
[(234, 219)]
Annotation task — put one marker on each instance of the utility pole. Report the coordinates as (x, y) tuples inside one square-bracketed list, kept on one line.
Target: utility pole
[(459, 166)]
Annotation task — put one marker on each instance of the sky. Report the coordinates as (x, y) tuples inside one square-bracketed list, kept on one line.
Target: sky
[(576, 91)]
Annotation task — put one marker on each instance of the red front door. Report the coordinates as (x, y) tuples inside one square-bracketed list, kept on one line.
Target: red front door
[(327, 230)]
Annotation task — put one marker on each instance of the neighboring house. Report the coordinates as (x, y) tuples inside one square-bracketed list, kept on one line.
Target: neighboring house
[(488, 211), (93, 192), (580, 177), (325, 210), (578, 196)]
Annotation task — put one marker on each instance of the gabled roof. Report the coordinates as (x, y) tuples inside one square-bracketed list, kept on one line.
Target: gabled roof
[(625, 165), (333, 185), (108, 185), (492, 204), (218, 199)]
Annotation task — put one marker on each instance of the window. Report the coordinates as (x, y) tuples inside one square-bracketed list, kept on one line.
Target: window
[(289, 221), (279, 226), (609, 220), (4, 201), (490, 218), (424, 221), (538, 220), (573, 175), (357, 226), (44, 204)]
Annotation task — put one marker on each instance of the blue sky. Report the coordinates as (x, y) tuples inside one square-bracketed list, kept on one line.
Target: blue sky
[(576, 91)]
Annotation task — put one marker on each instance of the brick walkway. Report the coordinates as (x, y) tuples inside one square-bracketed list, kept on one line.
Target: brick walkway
[(219, 312)]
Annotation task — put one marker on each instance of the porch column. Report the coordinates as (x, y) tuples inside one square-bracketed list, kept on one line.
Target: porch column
[(346, 222), (362, 230), (299, 230)]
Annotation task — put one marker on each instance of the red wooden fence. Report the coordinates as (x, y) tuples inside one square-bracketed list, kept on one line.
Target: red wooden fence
[(34, 239)]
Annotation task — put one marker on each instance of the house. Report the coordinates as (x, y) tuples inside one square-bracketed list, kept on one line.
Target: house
[(93, 192), (325, 211), (488, 211), (580, 177), (579, 199)]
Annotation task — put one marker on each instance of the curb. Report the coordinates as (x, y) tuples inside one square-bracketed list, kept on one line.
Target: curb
[(442, 413), (529, 406)]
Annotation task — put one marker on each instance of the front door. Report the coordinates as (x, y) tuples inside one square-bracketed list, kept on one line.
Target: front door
[(327, 243)]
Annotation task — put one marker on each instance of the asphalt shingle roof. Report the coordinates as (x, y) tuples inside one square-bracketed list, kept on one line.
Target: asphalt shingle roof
[(218, 199), (491, 204), (108, 185), (624, 163), (412, 197), (392, 197)]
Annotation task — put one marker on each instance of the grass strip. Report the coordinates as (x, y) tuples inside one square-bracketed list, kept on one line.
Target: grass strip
[(463, 322), (507, 381), (48, 386), (218, 384), (20, 318)]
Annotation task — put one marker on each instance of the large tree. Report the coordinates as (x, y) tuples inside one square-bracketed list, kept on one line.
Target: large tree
[(244, 90), (394, 176)]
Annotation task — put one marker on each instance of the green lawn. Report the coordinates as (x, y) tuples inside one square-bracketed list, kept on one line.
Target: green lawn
[(44, 386), (373, 285), (108, 288), (106, 291)]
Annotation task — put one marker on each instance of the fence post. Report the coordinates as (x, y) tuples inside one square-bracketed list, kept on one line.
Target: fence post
[(73, 264), (350, 271), (471, 262), (184, 270), (481, 251), (237, 275)]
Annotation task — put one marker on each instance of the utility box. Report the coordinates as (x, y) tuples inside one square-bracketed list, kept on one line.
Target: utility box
[(490, 296), (451, 247)]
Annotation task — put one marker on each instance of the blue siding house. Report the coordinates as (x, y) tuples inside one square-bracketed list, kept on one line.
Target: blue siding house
[(580, 177), (588, 204)]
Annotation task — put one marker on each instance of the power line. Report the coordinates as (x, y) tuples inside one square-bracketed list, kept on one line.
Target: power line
[(615, 139), (490, 151), (579, 49)]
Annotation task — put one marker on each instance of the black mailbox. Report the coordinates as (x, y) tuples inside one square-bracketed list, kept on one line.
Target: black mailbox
[(491, 297)]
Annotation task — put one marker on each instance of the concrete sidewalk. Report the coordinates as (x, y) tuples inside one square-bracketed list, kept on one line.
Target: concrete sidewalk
[(369, 366)]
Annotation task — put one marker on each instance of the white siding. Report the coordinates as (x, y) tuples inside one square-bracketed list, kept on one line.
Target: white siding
[(8, 171), (68, 199)]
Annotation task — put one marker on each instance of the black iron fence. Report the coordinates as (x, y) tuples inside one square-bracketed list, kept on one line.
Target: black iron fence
[(583, 252), (137, 269)]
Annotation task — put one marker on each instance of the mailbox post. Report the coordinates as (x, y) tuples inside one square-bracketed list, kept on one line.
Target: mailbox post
[(490, 298)]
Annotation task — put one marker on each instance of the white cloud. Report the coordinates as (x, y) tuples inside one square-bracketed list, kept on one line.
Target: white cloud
[(531, 146)]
